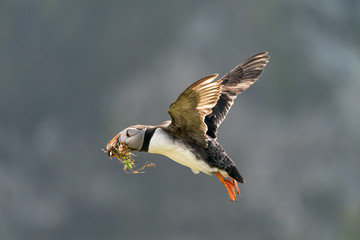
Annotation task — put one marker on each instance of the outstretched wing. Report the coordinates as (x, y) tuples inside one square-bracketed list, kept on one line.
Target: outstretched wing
[(189, 110), (235, 82)]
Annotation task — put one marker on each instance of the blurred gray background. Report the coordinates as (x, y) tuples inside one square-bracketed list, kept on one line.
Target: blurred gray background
[(74, 73)]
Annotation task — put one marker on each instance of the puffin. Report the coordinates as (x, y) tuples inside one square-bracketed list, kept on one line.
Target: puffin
[(189, 138)]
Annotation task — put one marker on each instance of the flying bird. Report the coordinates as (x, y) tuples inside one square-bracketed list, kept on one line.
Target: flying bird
[(189, 138)]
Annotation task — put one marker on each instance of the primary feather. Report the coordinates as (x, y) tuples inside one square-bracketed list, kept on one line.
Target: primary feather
[(234, 82)]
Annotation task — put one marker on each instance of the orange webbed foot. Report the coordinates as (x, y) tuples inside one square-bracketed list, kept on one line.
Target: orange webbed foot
[(236, 185), (229, 185)]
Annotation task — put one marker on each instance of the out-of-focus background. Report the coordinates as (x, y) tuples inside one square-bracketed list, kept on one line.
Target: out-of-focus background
[(74, 73)]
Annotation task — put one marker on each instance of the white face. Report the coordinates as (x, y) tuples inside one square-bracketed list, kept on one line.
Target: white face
[(132, 137)]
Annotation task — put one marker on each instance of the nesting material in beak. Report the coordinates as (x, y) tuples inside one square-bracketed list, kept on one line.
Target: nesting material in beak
[(123, 154)]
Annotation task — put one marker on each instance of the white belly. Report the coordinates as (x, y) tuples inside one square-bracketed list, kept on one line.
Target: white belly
[(160, 143)]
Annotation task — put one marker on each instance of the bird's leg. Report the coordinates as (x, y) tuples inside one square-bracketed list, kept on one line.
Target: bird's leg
[(229, 186)]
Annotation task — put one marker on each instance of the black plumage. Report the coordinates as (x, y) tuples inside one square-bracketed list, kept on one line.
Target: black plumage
[(217, 157), (234, 82)]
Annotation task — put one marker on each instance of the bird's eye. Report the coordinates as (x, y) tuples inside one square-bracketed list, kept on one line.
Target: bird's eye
[(127, 134)]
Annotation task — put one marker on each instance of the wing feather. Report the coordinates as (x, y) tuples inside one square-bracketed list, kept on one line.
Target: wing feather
[(189, 110), (234, 82)]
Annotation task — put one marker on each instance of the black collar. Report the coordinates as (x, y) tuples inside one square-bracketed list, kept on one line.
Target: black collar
[(148, 135)]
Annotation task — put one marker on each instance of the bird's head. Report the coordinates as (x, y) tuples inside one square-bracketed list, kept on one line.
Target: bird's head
[(131, 138)]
